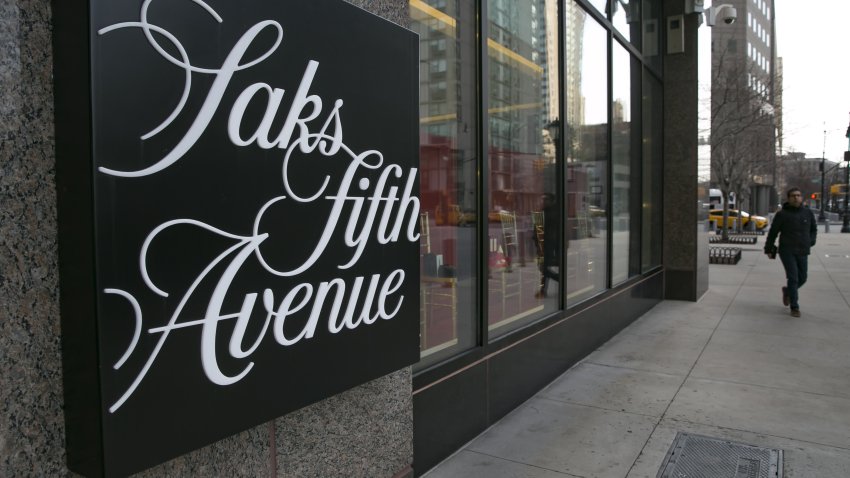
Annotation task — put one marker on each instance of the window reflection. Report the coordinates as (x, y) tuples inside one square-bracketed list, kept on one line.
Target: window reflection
[(605, 149), (625, 153), (523, 225), (651, 31), (600, 5), (586, 89), (625, 15), (447, 111)]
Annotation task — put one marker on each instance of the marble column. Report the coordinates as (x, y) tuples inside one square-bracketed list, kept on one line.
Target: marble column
[(366, 431), (685, 240)]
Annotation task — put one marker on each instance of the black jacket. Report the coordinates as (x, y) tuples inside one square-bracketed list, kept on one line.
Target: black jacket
[(797, 229)]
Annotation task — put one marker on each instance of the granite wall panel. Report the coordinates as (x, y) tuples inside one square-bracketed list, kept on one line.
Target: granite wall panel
[(31, 422), (685, 254), (315, 441), (367, 431)]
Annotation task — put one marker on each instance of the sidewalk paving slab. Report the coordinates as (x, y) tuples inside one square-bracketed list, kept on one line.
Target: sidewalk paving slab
[(810, 365), (803, 416), (673, 351), (813, 325), (616, 389), (574, 439), (732, 365), (470, 464)]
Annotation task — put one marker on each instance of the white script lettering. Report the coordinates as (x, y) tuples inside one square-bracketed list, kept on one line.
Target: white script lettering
[(369, 201)]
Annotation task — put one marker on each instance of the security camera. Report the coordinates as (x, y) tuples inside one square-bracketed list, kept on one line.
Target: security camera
[(726, 11)]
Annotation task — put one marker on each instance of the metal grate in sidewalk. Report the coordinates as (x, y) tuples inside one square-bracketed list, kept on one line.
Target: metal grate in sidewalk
[(696, 456)]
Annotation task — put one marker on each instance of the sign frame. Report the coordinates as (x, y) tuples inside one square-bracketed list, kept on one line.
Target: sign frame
[(88, 194)]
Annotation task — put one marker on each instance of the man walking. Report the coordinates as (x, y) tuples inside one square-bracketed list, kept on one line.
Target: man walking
[(797, 230)]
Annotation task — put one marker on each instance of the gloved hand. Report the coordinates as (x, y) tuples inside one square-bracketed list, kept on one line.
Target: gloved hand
[(770, 250)]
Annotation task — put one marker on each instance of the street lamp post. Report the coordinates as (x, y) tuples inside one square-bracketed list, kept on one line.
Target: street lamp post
[(845, 227), (821, 215)]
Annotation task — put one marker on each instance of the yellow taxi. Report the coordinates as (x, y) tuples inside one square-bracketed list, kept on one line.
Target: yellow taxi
[(716, 215), (760, 221)]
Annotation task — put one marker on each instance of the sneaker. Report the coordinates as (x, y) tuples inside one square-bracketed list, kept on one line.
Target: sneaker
[(795, 312), (785, 299)]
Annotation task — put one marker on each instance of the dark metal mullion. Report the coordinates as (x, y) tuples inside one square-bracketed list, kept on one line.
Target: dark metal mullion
[(601, 17), (659, 75), (610, 173), (560, 160), (628, 45), (483, 178), (640, 163)]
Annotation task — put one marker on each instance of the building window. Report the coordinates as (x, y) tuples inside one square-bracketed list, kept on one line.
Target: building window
[(523, 219), (572, 162), (650, 41), (448, 252), (438, 66), (626, 19), (586, 157), (625, 165), (599, 4)]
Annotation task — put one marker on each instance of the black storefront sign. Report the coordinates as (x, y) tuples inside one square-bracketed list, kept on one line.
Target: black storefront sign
[(238, 216)]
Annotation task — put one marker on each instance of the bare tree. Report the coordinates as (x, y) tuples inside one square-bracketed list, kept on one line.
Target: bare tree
[(743, 128), (800, 174)]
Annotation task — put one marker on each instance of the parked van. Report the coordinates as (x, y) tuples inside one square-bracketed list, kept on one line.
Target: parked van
[(715, 199)]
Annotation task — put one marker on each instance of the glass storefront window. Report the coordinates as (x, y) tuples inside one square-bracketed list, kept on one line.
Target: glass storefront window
[(601, 151), (652, 173), (650, 43), (600, 5), (625, 164), (523, 220), (625, 15), (447, 133), (639, 23), (586, 155)]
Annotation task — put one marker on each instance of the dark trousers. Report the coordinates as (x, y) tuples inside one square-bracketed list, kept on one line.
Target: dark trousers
[(796, 271), (547, 271)]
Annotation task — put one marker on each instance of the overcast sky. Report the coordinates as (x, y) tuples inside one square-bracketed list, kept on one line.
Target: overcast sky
[(814, 42)]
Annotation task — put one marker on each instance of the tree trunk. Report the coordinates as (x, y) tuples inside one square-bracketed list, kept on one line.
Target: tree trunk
[(725, 221)]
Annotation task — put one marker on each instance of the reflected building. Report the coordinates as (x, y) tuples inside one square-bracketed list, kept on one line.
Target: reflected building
[(746, 123)]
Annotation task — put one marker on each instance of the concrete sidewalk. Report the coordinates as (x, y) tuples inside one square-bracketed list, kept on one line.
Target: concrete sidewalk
[(734, 365)]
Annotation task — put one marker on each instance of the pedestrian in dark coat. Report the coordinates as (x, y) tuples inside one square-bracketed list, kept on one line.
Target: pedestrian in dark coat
[(797, 229)]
